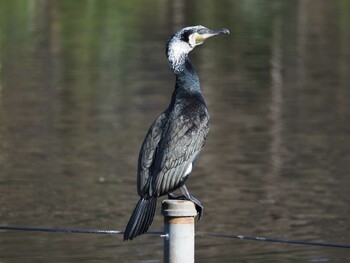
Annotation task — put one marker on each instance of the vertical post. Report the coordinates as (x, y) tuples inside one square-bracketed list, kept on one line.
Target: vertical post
[(179, 230)]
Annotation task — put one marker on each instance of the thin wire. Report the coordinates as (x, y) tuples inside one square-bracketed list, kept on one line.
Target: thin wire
[(276, 240), (161, 233), (79, 231), (62, 230)]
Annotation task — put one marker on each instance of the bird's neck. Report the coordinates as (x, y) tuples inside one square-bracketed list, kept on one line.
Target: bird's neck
[(187, 84), (187, 77)]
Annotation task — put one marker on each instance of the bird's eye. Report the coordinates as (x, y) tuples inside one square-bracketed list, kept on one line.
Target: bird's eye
[(185, 36)]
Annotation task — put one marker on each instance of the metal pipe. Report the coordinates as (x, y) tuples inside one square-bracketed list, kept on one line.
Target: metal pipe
[(179, 231)]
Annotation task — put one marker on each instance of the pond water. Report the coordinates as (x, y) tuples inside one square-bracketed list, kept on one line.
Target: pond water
[(81, 81)]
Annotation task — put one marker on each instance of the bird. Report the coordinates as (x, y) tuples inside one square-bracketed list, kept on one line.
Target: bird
[(175, 139)]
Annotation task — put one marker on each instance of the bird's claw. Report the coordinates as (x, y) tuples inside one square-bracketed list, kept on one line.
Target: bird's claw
[(199, 207), (176, 197), (197, 203)]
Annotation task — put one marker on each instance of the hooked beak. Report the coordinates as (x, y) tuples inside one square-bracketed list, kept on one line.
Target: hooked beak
[(199, 37), (215, 32)]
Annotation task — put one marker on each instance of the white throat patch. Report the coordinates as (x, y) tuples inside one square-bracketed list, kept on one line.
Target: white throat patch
[(178, 51)]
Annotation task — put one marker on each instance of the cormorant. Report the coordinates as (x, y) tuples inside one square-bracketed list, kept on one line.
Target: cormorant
[(176, 137)]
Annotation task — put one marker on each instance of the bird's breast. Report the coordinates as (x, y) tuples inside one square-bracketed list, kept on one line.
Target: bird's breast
[(192, 106)]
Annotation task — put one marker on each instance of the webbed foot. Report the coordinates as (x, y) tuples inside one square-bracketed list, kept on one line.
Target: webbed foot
[(198, 204)]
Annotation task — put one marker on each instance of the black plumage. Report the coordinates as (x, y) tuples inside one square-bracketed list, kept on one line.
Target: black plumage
[(176, 137)]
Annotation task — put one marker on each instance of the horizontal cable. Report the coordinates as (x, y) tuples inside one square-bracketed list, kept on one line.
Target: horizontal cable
[(79, 231), (116, 232), (276, 240)]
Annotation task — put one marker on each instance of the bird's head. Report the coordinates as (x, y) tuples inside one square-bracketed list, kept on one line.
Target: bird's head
[(183, 41)]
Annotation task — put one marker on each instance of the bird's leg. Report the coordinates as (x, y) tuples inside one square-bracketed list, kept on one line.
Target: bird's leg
[(198, 204), (176, 197), (173, 196), (187, 196)]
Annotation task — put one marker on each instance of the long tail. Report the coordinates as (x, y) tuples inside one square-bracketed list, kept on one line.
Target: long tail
[(141, 218)]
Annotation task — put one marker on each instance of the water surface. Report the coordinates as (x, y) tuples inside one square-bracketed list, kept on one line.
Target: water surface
[(81, 81)]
